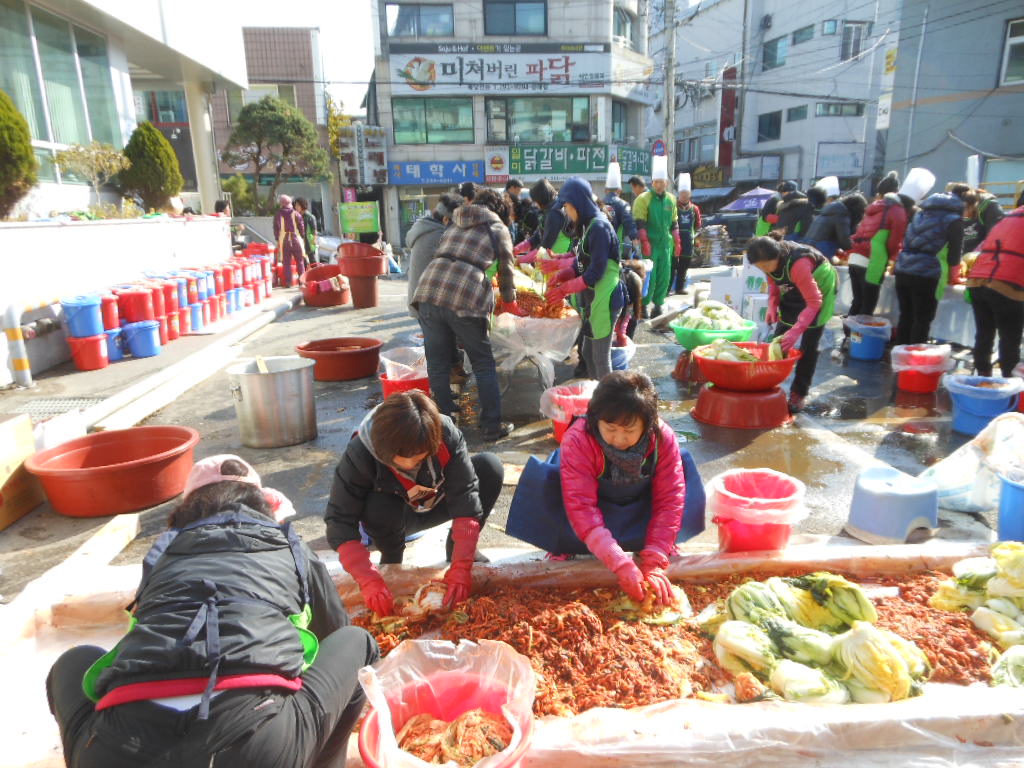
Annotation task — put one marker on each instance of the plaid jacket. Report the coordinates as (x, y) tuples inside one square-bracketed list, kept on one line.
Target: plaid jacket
[(456, 277)]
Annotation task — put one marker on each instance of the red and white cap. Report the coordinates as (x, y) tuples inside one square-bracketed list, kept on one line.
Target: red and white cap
[(207, 471)]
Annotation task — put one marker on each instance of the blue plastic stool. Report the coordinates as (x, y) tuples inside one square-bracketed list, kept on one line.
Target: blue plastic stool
[(888, 505)]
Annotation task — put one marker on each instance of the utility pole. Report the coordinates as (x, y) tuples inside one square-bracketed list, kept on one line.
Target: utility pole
[(670, 88)]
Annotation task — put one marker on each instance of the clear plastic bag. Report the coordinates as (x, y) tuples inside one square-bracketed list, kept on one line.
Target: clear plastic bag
[(756, 497), (542, 340), (975, 386), (445, 680), (403, 363), (622, 356), (923, 358), (869, 325), (565, 401)]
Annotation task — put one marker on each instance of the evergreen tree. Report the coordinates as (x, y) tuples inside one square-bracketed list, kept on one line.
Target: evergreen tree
[(154, 174), (18, 165)]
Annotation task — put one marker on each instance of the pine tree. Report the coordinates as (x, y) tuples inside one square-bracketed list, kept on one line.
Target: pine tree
[(154, 174), (18, 165)]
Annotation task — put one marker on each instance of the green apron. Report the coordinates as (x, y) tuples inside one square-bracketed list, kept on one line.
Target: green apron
[(597, 311), (943, 257), (878, 261), (827, 278)]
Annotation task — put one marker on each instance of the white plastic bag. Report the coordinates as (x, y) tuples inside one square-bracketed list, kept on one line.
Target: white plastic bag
[(418, 677), (565, 401), (756, 497), (402, 363), (968, 479), (542, 340), (869, 325), (923, 358)]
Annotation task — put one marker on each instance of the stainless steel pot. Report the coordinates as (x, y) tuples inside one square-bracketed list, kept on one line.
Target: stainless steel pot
[(276, 408)]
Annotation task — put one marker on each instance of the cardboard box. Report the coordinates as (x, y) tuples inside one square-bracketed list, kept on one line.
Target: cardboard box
[(754, 280), (20, 492), (728, 290), (755, 307)]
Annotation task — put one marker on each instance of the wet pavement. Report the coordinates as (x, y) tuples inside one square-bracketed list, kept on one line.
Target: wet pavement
[(855, 418)]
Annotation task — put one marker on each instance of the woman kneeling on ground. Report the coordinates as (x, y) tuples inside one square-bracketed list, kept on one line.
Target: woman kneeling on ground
[(239, 650), (407, 469)]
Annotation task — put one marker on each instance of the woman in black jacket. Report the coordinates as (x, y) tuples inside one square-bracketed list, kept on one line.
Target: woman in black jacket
[(407, 469), (239, 652)]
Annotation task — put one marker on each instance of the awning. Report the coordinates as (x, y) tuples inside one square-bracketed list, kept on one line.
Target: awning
[(706, 194)]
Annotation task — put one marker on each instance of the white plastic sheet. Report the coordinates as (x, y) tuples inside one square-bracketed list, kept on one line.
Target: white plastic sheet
[(403, 363), (418, 663), (541, 340)]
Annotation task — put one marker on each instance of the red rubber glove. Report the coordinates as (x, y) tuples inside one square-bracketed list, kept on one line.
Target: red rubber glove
[(355, 558), (789, 340), (514, 309), (564, 275), (652, 566), (459, 578), (559, 291), (772, 218), (631, 580), (772, 315), (528, 258), (521, 247), (679, 245), (556, 265), (645, 244)]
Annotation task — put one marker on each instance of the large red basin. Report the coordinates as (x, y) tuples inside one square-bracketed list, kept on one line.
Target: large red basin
[(748, 377), (343, 358), (123, 470)]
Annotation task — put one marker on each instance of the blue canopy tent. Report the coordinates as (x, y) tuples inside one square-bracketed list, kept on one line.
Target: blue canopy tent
[(750, 201)]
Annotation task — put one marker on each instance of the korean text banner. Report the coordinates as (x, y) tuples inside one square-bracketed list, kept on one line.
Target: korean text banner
[(436, 172), (456, 68), (359, 217)]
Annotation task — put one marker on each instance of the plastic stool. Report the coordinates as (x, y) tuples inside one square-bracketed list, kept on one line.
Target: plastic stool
[(888, 505)]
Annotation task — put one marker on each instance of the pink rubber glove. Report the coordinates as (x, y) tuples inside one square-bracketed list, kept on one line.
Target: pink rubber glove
[(556, 265), (564, 275), (521, 247), (459, 578), (772, 315), (652, 566), (528, 258), (355, 558), (631, 580), (789, 340), (645, 244), (679, 245), (514, 309), (559, 291)]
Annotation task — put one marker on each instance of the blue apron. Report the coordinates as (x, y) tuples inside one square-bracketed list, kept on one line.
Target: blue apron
[(537, 514)]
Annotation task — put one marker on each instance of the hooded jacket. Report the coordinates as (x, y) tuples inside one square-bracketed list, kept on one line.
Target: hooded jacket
[(795, 215), (937, 225), (623, 216), (423, 238), (888, 214), (550, 225), (832, 225), (360, 472), (599, 240), (1000, 265)]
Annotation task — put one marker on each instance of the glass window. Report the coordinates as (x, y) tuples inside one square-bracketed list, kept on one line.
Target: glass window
[(540, 119), (774, 53), (619, 120), (803, 34), (854, 37), (838, 109), (286, 93), (99, 88), (433, 120), (622, 27), (829, 27), (47, 168), (18, 78), (1013, 54), (707, 147), (414, 20), (60, 79), (238, 99), (769, 126), (796, 113), (166, 107), (515, 17)]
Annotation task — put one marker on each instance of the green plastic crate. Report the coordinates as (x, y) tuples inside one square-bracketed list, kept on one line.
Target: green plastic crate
[(691, 338)]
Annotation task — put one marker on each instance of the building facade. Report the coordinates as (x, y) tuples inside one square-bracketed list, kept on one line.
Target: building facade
[(73, 69), (481, 90), (959, 91)]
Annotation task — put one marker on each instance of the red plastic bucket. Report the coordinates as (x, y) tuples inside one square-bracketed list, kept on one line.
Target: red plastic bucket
[(184, 321), (222, 305), (157, 290), (173, 323), (755, 509), (206, 312), (137, 305), (89, 352), (915, 381), (214, 309), (460, 693), (170, 288), (164, 330), (391, 386), (926, 356), (734, 536), (257, 292), (108, 310)]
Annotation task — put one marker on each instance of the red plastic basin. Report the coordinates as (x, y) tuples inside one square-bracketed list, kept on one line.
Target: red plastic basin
[(361, 260), (741, 410), (123, 470), (734, 536), (749, 377), (343, 358), (391, 386), (314, 298), (460, 692)]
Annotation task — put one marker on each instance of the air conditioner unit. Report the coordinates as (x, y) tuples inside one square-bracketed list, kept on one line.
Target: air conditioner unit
[(766, 21), (729, 133)]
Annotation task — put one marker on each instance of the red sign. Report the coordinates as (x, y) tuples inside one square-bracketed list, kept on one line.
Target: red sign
[(658, 147), (348, 194)]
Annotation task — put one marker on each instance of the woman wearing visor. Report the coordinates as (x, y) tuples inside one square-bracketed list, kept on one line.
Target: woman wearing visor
[(407, 469)]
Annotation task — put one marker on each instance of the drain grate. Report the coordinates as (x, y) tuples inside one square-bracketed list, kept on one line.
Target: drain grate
[(43, 408)]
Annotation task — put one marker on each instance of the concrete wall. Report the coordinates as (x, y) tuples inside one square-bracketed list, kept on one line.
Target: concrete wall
[(43, 261), (961, 53)]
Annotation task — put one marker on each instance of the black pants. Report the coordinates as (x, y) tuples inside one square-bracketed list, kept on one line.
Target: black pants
[(677, 277), (389, 519), (803, 375), (865, 294), (995, 312), (917, 302), (250, 727)]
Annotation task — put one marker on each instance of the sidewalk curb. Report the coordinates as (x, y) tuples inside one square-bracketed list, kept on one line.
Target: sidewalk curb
[(132, 405)]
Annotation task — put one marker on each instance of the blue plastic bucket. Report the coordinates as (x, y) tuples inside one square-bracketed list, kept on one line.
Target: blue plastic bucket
[(197, 316), (973, 406), (83, 315), (1011, 510), (115, 345), (864, 347), (200, 284), (211, 284), (236, 298), (143, 338), (182, 291)]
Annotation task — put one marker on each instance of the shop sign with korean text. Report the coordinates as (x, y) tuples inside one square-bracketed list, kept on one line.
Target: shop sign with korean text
[(500, 68), (446, 172), (632, 161), (359, 217), (557, 162)]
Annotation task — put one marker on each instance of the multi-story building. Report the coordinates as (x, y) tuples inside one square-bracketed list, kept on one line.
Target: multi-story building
[(806, 80), (484, 90), (959, 91), (283, 62), (72, 68)]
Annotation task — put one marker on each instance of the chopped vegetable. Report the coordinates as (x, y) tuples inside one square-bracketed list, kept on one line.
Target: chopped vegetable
[(798, 682), (797, 642), (846, 600), (876, 667), (711, 618), (751, 600), (1005, 606), (1001, 628), (802, 608), (749, 688), (951, 596), (975, 572), (721, 349), (742, 647), (652, 612), (917, 662), (1009, 555), (1009, 670)]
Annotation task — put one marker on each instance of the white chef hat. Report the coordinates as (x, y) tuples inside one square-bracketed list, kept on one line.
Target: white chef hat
[(683, 183), (919, 182), (829, 185), (614, 178), (659, 168)]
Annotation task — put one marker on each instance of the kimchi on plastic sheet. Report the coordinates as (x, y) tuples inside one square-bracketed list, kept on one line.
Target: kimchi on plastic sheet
[(543, 341)]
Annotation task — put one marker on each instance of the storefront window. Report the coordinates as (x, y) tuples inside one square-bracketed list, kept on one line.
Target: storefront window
[(18, 67), (433, 120), (515, 17), (413, 20), (540, 119), (63, 90), (99, 90), (619, 121)]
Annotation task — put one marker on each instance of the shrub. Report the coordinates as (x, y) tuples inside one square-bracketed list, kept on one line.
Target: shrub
[(18, 165), (97, 163), (154, 174), (242, 203)]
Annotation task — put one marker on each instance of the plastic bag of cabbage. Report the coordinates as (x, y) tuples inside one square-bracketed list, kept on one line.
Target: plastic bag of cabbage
[(712, 315)]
